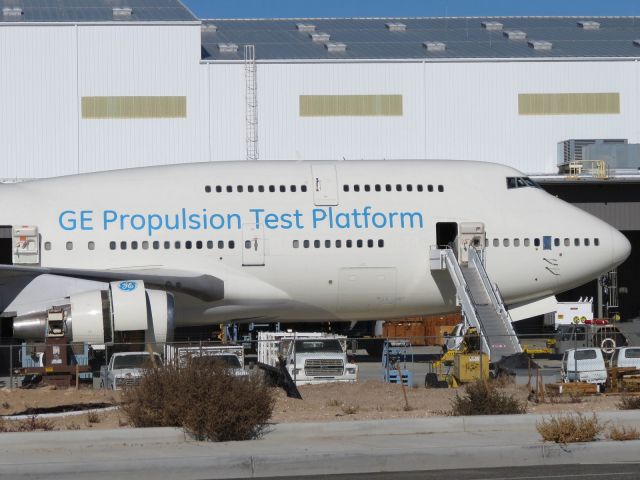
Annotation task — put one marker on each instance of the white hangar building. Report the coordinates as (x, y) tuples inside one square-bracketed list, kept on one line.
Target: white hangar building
[(104, 84)]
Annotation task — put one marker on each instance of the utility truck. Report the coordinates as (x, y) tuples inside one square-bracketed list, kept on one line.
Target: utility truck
[(232, 356), (125, 369), (309, 358)]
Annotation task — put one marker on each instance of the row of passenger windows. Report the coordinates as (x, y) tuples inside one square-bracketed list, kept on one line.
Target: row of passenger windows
[(157, 245), (387, 187), (370, 243), (255, 188), (506, 242)]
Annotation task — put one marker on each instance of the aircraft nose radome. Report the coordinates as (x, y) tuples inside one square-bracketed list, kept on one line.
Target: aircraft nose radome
[(620, 247)]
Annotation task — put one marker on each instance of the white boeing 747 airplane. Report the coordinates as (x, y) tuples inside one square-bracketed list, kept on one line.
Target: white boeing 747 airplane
[(150, 249)]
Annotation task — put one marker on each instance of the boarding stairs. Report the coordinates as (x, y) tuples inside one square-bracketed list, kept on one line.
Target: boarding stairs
[(481, 302)]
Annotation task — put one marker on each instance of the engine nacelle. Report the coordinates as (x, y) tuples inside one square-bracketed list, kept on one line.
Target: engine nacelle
[(98, 316)]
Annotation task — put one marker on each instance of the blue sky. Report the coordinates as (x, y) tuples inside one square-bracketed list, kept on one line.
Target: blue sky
[(409, 8)]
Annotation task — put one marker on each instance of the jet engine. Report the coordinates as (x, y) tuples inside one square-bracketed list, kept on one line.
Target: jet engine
[(99, 316)]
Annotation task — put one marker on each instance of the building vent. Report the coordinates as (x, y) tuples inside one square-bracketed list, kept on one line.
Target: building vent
[(12, 12), (435, 46), (319, 37), (334, 47), (227, 47), (305, 27), (515, 34), (209, 27), (636, 42), (395, 26), (589, 25), (540, 44), (492, 26), (122, 12)]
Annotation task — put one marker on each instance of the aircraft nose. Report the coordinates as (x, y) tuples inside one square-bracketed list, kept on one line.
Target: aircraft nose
[(620, 247)]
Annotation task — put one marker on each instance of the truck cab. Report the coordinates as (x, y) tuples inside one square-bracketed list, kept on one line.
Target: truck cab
[(125, 369), (626, 357), (583, 365)]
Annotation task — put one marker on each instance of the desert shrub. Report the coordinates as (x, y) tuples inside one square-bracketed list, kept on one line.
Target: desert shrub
[(570, 428), (484, 398), (350, 409), (622, 433), (31, 424), (628, 402), (93, 417), (333, 403), (204, 398)]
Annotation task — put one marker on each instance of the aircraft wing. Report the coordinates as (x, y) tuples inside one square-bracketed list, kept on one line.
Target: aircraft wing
[(204, 287)]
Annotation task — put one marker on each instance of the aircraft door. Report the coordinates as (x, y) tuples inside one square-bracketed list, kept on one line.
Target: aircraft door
[(471, 235), (325, 185), (252, 245)]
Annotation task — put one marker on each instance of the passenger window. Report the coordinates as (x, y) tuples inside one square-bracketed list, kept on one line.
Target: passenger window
[(441, 188), (516, 242), (219, 188), (586, 242), (283, 188), (156, 245), (220, 245), (261, 188), (576, 242), (536, 242), (272, 188), (90, 245), (527, 242), (145, 245), (356, 188), (210, 244), (167, 245), (387, 187), (349, 243), (177, 245), (316, 244), (229, 189), (123, 246), (338, 243), (409, 188), (496, 242), (505, 242), (296, 244), (239, 188), (398, 187), (306, 244), (367, 188), (188, 244), (199, 244), (596, 242), (292, 188), (207, 188), (112, 246), (69, 245), (250, 188), (420, 188), (567, 242), (359, 243), (134, 245), (303, 188), (378, 187), (556, 242), (247, 244), (327, 244), (430, 188), (232, 244), (380, 243), (370, 243)]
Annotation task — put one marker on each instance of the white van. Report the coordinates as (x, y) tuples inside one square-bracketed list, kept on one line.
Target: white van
[(626, 357), (584, 365)]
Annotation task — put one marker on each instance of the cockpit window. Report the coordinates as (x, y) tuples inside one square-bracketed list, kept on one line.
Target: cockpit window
[(521, 182)]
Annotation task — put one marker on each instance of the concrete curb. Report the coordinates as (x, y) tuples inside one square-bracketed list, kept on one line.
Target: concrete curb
[(138, 436)]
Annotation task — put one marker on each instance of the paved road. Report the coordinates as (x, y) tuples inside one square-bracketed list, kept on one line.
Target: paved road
[(619, 471)]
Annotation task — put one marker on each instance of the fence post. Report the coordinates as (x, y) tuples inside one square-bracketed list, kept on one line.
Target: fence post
[(11, 365)]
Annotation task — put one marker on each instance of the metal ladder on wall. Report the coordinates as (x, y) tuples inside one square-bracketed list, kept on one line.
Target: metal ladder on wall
[(481, 302)]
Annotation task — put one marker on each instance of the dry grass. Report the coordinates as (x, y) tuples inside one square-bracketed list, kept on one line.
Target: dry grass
[(350, 409), (31, 424), (204, 398), (73, 426), (93, 417), (333, 403), (570, 428), (622, 433), (485, 398), (628, 402)]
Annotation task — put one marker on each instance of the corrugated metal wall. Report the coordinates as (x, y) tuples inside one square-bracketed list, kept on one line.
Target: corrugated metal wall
[(464, 110)]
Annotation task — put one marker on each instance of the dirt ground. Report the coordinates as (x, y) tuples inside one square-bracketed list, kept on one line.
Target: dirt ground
[(369, 400)]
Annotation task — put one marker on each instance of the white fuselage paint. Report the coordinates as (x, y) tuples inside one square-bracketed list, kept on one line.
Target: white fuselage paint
[(270, 279)]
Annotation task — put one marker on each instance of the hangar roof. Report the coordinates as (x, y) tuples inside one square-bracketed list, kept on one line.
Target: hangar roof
[(90, 11), (463, 38)]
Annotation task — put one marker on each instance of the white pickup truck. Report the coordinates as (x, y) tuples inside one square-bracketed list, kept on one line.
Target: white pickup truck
[(584, 365), (125, 369), (309, 358)]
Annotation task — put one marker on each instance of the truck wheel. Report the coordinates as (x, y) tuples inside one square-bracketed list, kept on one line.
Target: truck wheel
[(431, 380)]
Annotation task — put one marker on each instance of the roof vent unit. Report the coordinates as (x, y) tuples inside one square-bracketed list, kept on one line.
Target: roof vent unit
[(12, 12), (540, 44), (334, 47), (306, 27), (492, 26), (435, 46), (122, 12), (227, 47), (636, 42), (209, 27), (515, 34), (589, 25), (319, 37), (395, 26)]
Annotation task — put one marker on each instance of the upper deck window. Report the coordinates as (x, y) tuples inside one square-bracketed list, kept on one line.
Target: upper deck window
[(521, 182)]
